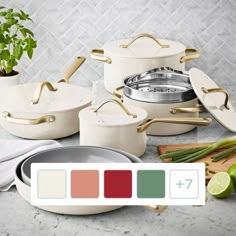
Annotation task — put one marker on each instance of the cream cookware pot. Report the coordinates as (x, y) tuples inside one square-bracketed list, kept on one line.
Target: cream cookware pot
[(24, 189), (144, 52), (45, 110), (162, 92), (122, 127)]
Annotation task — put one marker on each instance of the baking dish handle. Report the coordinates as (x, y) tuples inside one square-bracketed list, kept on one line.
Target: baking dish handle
[(187, 121), (39, 89), (119, 104), (193, 54), (98, 55), (23, 121), (142, 36), (72, 69)]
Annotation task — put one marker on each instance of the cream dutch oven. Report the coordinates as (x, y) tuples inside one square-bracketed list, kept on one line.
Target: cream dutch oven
[(122, 127), (144, 52)]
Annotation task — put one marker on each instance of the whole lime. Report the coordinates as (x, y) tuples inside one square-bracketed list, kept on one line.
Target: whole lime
[(232, 172)]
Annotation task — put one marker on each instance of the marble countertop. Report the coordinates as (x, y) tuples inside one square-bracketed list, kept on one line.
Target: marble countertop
[(217, 217)]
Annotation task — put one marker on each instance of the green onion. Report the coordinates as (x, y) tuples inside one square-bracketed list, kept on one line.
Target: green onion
[(181, 153), (223, 154), (193, 154)]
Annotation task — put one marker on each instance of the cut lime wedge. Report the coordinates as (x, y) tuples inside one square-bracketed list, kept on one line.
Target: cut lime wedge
[(220, 185)]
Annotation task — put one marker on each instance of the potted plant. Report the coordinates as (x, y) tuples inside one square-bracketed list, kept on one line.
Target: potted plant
[(15, 41)]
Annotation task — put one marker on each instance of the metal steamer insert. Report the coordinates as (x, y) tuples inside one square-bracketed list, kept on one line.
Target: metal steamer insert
[(160, 85)]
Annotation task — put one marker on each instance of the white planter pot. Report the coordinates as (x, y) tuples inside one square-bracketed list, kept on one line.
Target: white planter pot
[(7, 82)]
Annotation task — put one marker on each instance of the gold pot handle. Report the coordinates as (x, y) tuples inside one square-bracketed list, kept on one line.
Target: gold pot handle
[(193, 54), (178, 110), (98, 55), (156, 208), (117, 93), (72, 69), (39, 89), (142, 36), (218, 90), (23, 121), (119, 104), (186, 121)]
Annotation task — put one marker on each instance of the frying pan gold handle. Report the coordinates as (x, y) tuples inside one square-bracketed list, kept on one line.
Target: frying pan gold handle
[(177, 110), (156, 209), (142, 36), (23, 121), (72, 69), (117, 93), (193, 54), (98, 55), (39, 89), (186, 121), (119, 104), (218, 90)]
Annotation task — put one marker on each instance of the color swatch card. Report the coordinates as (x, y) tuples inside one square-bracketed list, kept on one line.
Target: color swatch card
[(117, 184)]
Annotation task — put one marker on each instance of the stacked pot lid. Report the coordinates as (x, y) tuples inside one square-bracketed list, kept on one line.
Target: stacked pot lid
[(215, 99)]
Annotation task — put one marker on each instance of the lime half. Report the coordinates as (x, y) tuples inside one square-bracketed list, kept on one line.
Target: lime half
[(232, 172), (220, 185)]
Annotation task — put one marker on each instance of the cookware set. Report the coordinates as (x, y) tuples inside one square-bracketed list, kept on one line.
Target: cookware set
[(154, 95)]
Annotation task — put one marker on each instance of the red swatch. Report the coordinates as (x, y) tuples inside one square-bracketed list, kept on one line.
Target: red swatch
[(118, 184)]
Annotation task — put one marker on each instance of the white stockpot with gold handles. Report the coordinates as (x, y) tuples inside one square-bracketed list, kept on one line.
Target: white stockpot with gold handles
[(114, 125), (125, 57)]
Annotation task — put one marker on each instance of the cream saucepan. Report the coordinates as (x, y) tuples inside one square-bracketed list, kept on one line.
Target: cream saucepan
[(122, 127)]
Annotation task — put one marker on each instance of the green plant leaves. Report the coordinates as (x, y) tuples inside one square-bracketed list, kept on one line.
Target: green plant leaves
[(15, 38), (18, 51)]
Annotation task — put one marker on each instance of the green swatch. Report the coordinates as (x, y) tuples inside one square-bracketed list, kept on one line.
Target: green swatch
[(151, 183)]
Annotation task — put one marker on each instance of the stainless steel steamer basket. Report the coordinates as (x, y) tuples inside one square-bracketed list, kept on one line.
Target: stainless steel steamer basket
[(161, 85)]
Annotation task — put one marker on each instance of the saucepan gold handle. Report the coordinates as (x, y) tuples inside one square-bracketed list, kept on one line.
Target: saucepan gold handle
[(187, 121), (177, 110), (72, 69), (39, 89), (24, 121), (117, 92), (119, 104), (98, 55), (142, 36), (218, 90), (191, 54)]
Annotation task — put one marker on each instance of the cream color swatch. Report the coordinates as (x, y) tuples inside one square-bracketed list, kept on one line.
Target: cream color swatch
[(51, 184)]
